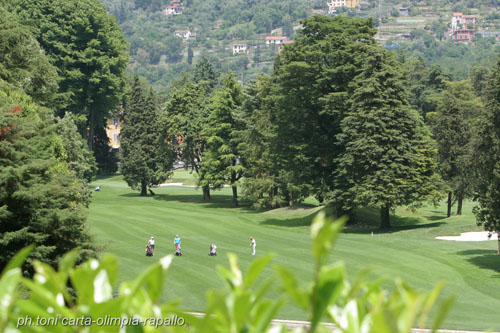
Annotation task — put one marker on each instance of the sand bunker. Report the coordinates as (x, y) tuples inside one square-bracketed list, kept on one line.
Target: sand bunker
[(479, 236)]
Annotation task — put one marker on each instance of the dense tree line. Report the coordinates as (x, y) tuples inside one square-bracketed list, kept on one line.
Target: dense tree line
[(89, 53), (341, 119), (61, 75), (305, 130)]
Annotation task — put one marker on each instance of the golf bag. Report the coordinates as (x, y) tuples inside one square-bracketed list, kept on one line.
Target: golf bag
[(178, 251), (213, 250), (149, 251)]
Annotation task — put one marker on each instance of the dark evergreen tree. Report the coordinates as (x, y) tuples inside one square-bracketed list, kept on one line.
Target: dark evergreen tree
[(479, 78), (265, 183), (145, 155), (23, 63), (42, 202), (311, 79), (389, 156), (487, 157), (416, 73), (222, 163), (205, 73), (186, 115), (452, 126)]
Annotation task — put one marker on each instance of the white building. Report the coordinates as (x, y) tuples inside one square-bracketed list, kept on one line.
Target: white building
[(459, 20), (184, 34), (173, 10), (275, 40), (239, 48), (333, 4)]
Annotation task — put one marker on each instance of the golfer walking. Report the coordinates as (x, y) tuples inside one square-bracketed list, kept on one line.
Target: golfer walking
[(253, 244), (151, 244)]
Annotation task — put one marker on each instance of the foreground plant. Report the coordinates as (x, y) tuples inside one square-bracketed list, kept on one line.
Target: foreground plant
[(45, 302)]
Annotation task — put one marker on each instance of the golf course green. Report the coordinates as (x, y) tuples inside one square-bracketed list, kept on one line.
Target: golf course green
[(123, 222)]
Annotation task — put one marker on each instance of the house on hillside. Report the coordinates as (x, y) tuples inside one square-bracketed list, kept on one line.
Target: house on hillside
[(184, 34), (462, 35), (173, 10), (239, 48), (459, 20), (277, 40), (404, 12), (334, 4)]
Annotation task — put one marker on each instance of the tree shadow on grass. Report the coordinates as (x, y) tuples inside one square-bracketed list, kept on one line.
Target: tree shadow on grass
[(293, 222), (484, 259), (355, 229), (435, 218), (217, 201), (367, 220)]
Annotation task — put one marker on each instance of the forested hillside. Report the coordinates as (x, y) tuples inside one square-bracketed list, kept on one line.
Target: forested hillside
[(161, 50)]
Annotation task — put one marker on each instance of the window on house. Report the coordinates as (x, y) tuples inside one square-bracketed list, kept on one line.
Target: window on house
[(115, 121), (115, 137)]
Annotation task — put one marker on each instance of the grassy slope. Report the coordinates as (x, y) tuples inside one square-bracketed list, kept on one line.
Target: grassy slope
[(124, 222)]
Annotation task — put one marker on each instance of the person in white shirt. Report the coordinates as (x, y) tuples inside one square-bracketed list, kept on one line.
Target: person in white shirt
[(151, 244), (253, 244)]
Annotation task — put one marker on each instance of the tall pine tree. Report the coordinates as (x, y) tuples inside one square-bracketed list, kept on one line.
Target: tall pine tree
[(265, 183), (186, 115), (222, 162), (487, 157), (388, 159), (310, 89), (206, 74), (452, 125), (145, 154)]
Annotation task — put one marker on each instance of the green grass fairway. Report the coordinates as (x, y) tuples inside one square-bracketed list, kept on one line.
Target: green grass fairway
[(123, 221)]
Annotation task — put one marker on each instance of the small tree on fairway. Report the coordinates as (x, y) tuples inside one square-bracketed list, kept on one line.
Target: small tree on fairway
[(145, 156), (389, 157), (487, 157), (222, 162)]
